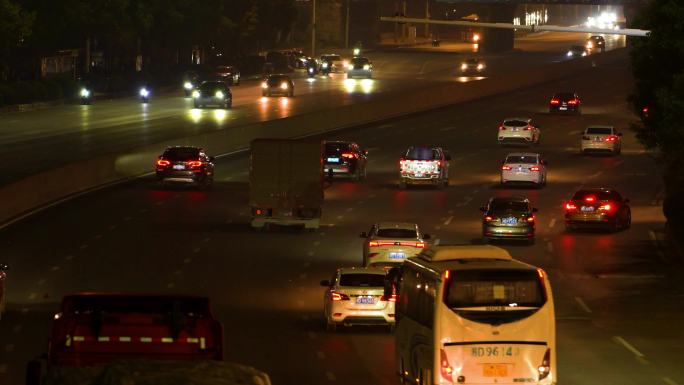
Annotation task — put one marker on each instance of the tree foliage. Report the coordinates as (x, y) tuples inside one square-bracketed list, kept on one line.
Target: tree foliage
[(659, 73)]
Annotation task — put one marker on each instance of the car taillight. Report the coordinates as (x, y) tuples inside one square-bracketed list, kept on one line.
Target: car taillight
[(418, 245), (534, 168), (545, 368), (444, 367), (530, 218), (570, 206), (502, 128), (506, 168), (194, 163), (389, 298), (373, 244), (555, 101), (573, 101), (611, 138), (528, 128), (490, 218), (335, 296), (606, 207), (163, 162), (402, 164), (590, 199), (348, 155)]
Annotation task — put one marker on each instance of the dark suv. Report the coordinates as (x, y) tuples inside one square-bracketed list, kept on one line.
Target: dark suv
[(565, 102), (185, 164), (508, 218), (345, 159)]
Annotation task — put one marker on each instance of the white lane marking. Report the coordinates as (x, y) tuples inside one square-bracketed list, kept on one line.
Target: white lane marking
[(596, 174), (438, 227), (448, 220), (436, 242), (143, 211), (178, 272), (330, 376), (569, 149), (552, 222), (350, 209), (320, 355), (549, 246), (451, 128), (339, 217), (628, 346), (619, 162), (583, 305), (54, 268), (41, 282), (69, 257), (669, 381)]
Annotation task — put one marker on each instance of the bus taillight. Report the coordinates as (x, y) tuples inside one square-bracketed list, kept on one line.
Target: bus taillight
[(545, 368), (446, 369)]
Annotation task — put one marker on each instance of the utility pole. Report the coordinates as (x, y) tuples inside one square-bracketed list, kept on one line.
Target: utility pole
[(346, 27), (403, 26), (427, 16), (313, 29)]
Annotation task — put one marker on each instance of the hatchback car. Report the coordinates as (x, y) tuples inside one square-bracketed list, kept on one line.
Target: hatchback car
[(360, 67), (277, 84), (345, 159), (565, 102), (473, 65), (424, 165), (518, 131), (601, 139), (212, 93), (230, 74), (508, 218), (185, 164), (356, 296), (523, 167), (389, 243), (598, 207)]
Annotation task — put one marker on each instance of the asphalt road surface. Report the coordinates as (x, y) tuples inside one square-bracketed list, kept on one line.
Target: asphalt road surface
[(618, 296), (39, 140)]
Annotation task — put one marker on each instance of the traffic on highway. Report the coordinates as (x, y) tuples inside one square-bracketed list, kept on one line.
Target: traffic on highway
[(506, 239)]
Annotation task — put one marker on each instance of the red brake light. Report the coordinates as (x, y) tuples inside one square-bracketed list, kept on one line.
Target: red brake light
[(445, 369), (573, 101), (506, 168), (555, 101), (570, 206), (644, 110), (490, 218), (534, 168), (530, 218), (335, 296), (590, 199), (348, 155), (194, 163), (419, 245), (606, 207), (373, 244), (391, 298), (163, 162), (611, 138)]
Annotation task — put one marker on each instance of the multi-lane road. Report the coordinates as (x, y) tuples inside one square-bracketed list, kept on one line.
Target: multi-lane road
[(44, 139), (617, 295)]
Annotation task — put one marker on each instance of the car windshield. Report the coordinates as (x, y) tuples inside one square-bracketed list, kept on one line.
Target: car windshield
[(521, 159), (422, 153), (577, 48), (277, 79), (472, 61), (499, 205), (600, 130), (494, 287), (209, 86), (182, 153), (362, 280), (360, 60), (515, 123), (599, 195), (397, 233), (564, 96), (225, 69), (336, 148), (137, 305), (332, 57)]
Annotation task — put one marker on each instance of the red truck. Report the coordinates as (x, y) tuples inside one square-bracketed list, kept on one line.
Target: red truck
[(95, 329)]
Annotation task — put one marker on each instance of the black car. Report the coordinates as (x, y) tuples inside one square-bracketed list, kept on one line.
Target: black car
[(277, 84), (597, 43), (212, 93), (185, 164), (598, 207), (345, 159), (565, 102), (508, 218), (577, 51), (229, 74)]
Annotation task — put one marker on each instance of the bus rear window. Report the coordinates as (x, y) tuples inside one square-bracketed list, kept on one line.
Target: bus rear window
[(492, 288), (362, 280)]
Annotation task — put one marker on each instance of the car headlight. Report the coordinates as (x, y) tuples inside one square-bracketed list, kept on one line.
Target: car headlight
[(187, 85), (569, 54), (195, 94), (480, 66), (584, 54), (264, 85), (345, 63), (85, 93), (283, 86), (357, 51), (590, 45), (219, 94), (144, 92), (464, 66), (325, 65), (366, 67)]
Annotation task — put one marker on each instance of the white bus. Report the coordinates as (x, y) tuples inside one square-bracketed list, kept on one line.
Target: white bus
[(473, 315)]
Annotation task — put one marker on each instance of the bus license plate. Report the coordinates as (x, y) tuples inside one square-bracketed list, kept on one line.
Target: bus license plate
[(495, 370), (365, 300), (397, 256)]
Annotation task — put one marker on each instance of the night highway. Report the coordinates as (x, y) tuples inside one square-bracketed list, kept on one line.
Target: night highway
[(617, 295)]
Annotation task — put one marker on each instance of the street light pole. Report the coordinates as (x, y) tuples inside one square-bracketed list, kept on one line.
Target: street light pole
[(427, 16), (346, 28), (313, 29)]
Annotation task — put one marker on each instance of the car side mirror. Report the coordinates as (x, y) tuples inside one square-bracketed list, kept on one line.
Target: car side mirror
[(363, 235), (325, 283), (535, 210), (427, 236)]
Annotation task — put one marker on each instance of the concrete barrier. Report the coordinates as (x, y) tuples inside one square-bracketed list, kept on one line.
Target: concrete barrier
[(40, 190)]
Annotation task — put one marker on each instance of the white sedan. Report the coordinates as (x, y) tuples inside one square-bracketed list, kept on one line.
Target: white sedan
[(390, 243), (518, 131), (522, 167)]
